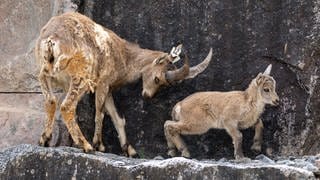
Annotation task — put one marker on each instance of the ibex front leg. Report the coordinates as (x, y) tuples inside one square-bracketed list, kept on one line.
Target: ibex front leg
[(68, 110), (257, 140), (50, 107), (236, 136), (119, 124)]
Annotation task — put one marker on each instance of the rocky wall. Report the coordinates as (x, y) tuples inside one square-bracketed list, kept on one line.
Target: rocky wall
[(246, 36), (21, 103)]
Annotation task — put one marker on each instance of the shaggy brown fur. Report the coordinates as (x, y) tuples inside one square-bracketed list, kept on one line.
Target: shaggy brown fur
[(79, 55)]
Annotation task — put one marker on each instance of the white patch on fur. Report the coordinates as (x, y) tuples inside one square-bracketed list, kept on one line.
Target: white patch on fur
[(178, 109), (57, 67), (101, 36)]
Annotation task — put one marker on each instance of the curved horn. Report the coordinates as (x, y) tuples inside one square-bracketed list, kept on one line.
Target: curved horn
[(178, 74), (195, 70)]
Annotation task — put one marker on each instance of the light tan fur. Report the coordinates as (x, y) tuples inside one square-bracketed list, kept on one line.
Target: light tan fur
[(231, 111), (78, 55)]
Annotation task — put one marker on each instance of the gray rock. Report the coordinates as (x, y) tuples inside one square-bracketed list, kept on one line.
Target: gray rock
[(158, 158), (245, 36), (264, 159), (20, 24), (223, 160), (303, 163), (33, 162), (22, 114), (21, 118), (310, 159), (286, 162)]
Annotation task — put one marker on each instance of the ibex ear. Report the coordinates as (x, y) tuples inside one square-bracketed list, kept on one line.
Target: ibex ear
[(160, 59), (175, 52), (259, 78), (268, 70)]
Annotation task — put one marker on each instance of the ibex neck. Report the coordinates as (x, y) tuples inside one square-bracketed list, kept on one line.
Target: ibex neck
[(138, 59), (254, 97)]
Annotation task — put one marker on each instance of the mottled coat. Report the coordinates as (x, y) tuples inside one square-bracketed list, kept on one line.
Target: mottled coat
[(78, 55)]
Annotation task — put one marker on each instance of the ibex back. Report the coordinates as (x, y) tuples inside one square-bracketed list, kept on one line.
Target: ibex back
[(79, 55), (231, 111)]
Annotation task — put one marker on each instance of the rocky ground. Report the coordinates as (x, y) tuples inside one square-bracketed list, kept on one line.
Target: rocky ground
[(34, 162)]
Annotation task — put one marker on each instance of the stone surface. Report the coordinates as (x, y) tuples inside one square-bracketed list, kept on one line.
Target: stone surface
[(264, 158), (20, 24), (21, 105), (21, 118), (33, 162), (246, 36)]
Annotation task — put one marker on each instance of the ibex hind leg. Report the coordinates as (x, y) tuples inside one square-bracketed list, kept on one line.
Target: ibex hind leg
[(50, 107), (171, 146), (172, 132), (68, 110), (99, 102)]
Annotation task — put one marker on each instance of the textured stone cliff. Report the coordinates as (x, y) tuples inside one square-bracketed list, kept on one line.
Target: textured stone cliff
[(246, 36)]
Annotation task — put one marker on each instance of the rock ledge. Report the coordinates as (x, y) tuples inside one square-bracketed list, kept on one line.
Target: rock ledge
[(29, 161)]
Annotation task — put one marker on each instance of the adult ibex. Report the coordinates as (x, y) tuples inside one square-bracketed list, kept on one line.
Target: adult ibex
[(79, 55), (231, 111)]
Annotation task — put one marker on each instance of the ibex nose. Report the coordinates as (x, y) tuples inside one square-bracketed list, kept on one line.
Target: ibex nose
[(276, 102), (145, 95)]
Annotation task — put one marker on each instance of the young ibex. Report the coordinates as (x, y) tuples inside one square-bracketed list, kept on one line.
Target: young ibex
[(231, 111), (79, 55)]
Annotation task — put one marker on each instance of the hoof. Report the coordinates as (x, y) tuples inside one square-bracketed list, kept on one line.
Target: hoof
[(186, 154), (172, 153), (166, 156), (136, 156), (88, 149), (44, 141), (102, 148), (256, 148), (99, 147), (129, 151), (132, 152)]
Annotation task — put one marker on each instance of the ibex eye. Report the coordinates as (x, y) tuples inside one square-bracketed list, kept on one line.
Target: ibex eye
[(156, 80), (266, 90)]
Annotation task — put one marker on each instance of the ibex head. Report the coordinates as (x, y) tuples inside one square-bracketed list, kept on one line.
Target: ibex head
[(163, 72), (267, 87)]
